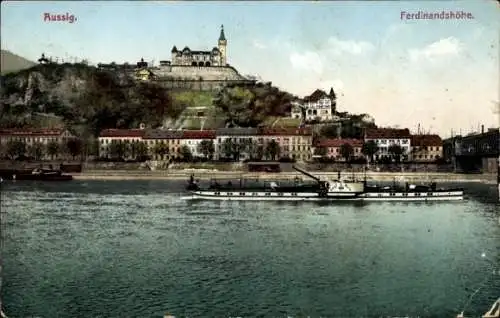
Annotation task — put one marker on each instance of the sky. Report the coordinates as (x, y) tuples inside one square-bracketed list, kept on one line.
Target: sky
[(441, 74)]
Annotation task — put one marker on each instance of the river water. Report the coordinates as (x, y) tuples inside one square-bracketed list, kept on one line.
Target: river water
[(136, 249)]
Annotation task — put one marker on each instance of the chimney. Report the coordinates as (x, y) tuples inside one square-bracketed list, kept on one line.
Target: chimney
[(482, 129)]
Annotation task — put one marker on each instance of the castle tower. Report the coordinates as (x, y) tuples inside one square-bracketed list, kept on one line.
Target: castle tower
[(222, 46)]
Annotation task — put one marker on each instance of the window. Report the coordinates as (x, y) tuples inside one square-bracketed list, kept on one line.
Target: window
[(280, 194), (255, 194), (242, 193)]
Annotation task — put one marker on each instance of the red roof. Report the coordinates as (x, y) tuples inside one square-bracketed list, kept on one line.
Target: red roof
[(122, 133), (198, 134), (338, 142), (285, 131), (426, 140), (387, 133), (31, 132)]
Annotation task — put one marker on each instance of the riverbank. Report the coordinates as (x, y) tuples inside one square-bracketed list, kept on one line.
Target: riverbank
[(207, 175)]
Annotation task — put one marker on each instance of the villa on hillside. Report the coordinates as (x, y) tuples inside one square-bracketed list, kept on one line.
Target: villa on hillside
[(318, 106)]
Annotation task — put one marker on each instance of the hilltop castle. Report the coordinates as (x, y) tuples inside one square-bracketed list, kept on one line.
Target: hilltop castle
[(193, 70), (214, 57)]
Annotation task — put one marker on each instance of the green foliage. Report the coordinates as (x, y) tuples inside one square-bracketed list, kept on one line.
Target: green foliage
[(102, 99), (37, 150), (186, 153), (272, 150), (139, 149), (207, 148), (53, 149), (90, 147), (369, 149), (396, 151), (15, 149), (160, 149), (346, 151), (231, 149), (193, 98), (117, 107), (118, 149), (250, 106), (330, 131), (75, 147)]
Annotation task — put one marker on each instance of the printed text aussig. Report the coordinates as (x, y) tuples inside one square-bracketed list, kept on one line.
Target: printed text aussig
[(51, 17)]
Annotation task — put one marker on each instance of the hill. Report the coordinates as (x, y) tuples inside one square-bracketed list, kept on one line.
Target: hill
[(89, 99), (11, 62), (82, 96)]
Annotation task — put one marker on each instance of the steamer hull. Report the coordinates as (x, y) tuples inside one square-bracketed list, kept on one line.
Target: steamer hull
[(454, 195), (272, 196), (322, 190)]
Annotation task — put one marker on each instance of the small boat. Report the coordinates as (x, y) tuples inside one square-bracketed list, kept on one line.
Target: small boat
[(320, 190)]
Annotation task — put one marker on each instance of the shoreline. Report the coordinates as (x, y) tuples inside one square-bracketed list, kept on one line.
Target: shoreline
[(122, 175)]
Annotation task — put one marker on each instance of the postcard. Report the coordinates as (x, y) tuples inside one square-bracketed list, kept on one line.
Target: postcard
[(249, 159)]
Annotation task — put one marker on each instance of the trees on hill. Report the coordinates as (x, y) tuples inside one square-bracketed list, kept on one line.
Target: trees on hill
[(114, 106), (84, 95), (246, 106)]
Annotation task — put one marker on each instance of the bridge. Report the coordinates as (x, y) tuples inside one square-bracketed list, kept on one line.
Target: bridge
[(474, 153)]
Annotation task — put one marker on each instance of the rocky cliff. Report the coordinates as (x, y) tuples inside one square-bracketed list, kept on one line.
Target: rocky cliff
[(82, 96)]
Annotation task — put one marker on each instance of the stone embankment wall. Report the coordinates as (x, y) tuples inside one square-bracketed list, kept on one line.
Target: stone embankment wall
[(196, 85), (198, 77), (234, 175), (225, 166), (207, 73)]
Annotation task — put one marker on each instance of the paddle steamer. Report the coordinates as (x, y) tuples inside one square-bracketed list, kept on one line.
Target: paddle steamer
[(320, 190)]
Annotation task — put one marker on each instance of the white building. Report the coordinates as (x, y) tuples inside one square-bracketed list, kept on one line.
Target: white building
[(386, 137), (318, 106), (31, 137), (193, 138), (108, 136), (239, 136)]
